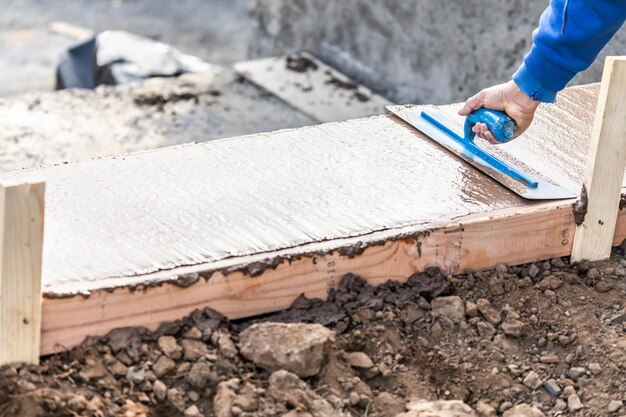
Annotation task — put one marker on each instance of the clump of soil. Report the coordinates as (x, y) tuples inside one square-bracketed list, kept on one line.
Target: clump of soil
[(344, 85), (300, 64), (546, 338)]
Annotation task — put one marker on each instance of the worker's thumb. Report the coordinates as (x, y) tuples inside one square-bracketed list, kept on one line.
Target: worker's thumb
[(473, 103)]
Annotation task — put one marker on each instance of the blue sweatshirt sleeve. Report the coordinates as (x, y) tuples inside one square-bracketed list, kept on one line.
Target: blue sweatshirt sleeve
[(570, 36)]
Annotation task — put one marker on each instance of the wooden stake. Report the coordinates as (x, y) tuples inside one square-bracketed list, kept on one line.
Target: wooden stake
[(605, 166), (21, 238)]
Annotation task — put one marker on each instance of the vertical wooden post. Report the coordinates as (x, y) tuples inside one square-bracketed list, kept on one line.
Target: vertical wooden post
[(21, 243), (605, 166)]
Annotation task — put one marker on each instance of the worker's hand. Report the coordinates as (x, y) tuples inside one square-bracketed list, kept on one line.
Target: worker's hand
[(504, 97)]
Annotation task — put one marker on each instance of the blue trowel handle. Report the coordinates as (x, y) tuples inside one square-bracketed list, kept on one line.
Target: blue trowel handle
[(501, 125)]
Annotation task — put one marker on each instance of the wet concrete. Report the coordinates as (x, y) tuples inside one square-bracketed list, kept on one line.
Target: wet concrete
[(118, 217)]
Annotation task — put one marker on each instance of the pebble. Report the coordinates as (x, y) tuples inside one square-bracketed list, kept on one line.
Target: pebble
[(226, 346), (451, 308), (532, 380), (163, 366), (194, 349), (176, 398), (489, 313), (574, 404), (160, 390), (170, 348), (193, 396), (117, 368), (436, 330), (200, 375), (569, 390), (595, 368), (485, 409), (486, 330), (135, 374), (552, 388), (560, 405), (549, 358), (593, 273), (576, 372), (360, 360), (505, 406), (471, 309), (513, 328), (192, 411), (614, 406), (550, 283), (523, 410), (354, 398), (193, 333), (603, 286), (533, 270)]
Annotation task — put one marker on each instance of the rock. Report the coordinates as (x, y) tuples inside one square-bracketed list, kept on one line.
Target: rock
[(193, 333), (532, 380), (569, 390), (440, 408), (559, 405), (159, 389), (595, 368), (614, 406), (117, 368), (550, 283), (287, 388), (574, 404), (194, 349), (226, 345), (486, 330), (496, 286), (485, 409), (200, 376), (523, 410), (533, 270), (451, 308), (360, 360), (354, 398), (135, 374), (176, 398), (246, 400), (489, 313), (471, 309), (552, 388), (575, 373), (501, 270), (593, 274), (193, 396), (224, 398), (192, 411), (169, 347), (163, 366), (299, 348), (603, 286), (409, 315), (620, 271), (549, 358), (385, 404), (77, 403), (436, 330), (513, 328)]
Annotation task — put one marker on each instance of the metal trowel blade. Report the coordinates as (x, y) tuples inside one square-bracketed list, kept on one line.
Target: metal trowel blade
[(544, 190)]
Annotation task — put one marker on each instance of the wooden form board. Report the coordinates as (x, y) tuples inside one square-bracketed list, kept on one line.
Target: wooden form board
[(21, 245), (316, 89), (135, 232), (605, 166)]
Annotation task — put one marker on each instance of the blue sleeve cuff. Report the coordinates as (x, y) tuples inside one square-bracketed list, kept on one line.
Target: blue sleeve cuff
[(532, 87)]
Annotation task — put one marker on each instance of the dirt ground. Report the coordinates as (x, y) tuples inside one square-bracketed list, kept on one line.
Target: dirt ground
[(539, 339)]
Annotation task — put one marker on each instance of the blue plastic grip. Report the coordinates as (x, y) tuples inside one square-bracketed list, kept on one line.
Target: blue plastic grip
[(500, 125)]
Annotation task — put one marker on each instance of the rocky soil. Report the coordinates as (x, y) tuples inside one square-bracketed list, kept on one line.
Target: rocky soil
[(544, 339)]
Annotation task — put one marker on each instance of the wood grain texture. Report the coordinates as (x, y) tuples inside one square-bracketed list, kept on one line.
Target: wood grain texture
[(21, 244), (605, 166), (509, 236), (321, 92)]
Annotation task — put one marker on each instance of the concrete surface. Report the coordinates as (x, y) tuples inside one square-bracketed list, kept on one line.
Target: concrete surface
[(55, 127), (412, 51)]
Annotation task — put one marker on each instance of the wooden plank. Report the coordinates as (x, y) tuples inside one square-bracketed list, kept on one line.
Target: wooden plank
[(21, 243), (510, 236), (71, 31), (318, 90), (605, 166)]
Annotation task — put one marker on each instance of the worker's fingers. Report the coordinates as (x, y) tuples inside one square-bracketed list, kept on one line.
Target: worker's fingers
[(489, 136), (473, 103)]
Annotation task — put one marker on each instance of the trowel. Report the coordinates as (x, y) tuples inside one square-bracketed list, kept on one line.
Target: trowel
[(437, 127)]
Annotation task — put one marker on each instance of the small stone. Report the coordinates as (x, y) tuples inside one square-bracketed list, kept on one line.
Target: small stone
[(77, 403), (486, 330), (169, 347), (299, 348), (574, 404), (575, 373), (549, 358), (360, 360), (193, 396), (354, 398), (523, 410), (532, 380), (200, 375), (439, 408), (505, 405), (603, 286), (501, 270), (451, 308), (620, 271), (533, 270), (436, 330), (163, 366), (496, 286), (226, 345), (194, 349), (485, 409), (560, 405), (489, 313), (176, 398), (513, 328), (593, 274), (552, 388), (160, 390), (193, 333), (135, 374), (614, 406), (595, 368), (471, 309), (192, 411), (569, 390), (117, 368), (550, 283)]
